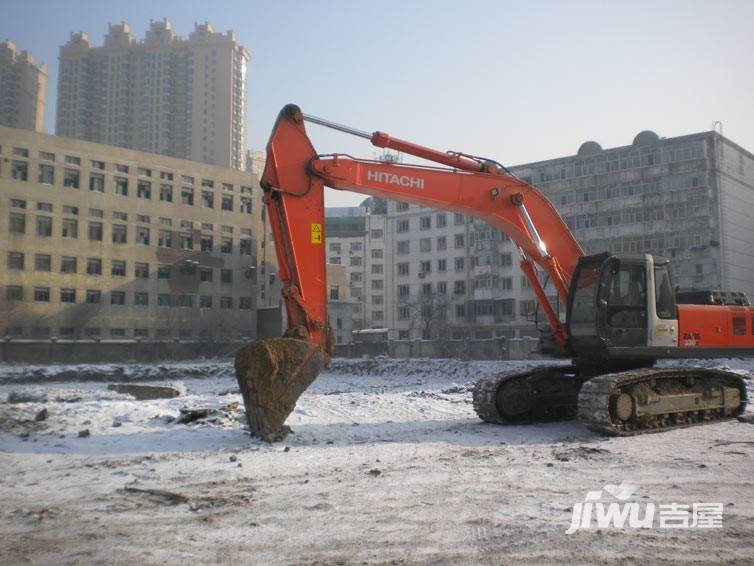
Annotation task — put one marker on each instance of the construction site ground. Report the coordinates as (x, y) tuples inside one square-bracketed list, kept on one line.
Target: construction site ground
[(386, 462)]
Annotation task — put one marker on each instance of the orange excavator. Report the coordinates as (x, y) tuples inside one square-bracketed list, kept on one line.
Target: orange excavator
[(622, 315)]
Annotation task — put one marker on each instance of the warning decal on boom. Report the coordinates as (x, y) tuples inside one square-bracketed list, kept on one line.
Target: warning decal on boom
[(316, 233)]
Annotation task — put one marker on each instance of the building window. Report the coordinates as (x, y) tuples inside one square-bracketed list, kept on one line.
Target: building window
[(377, 284), (377, 254), (15, 260), (206, 243), (425, 267), (460, 263), (460, 311), (205, 274), (226, 276), (121, 168), (121, 186), (141, 333), (118, 268), (98, 164), (42, 262), (68, 209), (402, 248), (42, 294), (401, 206), (244, 247), (425, 245), (459, 240), (459, 287), (442, 243), (93, 297), (205, 301), (244, 303), (425, 223), (97, 182), (14, 293), (44, 226), (403, 269), (144, 189), (46, 174), (164, 239), (166, 193), (459, 219), (95, 231), (46, 156), (226, 302), (402, 226), (163, 299), (404, 290), (18, 203), (141, 270), (376, 268), (441, 220), (120, 234), (117, 298), (208, 199), (226, 203), (44, 206), (377, 234), (355, 277), (187, 241), (141, 299), (96, 212), (71, 178), (17, 223), (70, 228), (442, 265), (117, 332), (94, 266), (71, 160), (355, 260), (142, 235), (184, 301), (226, 245), (187, 196), (442, 288), (163, 272), (19, 170), (68, 264), (245, 205), (120, 215), (404, 313), (68, 295)]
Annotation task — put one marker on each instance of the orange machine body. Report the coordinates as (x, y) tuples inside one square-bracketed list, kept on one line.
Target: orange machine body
[(715, 327)]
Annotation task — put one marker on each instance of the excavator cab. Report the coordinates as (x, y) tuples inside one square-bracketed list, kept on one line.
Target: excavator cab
[(621, 306)]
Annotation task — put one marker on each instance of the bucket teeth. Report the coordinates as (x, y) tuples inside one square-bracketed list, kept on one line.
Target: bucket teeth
[(272, 375)]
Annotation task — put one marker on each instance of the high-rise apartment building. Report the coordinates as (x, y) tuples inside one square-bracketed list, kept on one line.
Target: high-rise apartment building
[(688, 198), (101, 242), (164, 94), (22, 89)]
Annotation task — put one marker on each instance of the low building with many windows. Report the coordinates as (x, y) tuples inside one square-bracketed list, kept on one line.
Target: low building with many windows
[(110, 243), (688, 198)]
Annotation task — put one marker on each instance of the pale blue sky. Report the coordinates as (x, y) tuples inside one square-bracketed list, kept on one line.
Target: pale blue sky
[(516, 81)]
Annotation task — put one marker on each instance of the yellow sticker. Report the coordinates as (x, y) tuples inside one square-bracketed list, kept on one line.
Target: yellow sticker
[(316, 233)]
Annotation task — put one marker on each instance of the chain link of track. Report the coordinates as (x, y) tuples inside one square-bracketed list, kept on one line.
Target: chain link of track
[(594, 400), (541, 383)]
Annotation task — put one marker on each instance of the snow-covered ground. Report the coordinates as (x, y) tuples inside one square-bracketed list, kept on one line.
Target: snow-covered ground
[(387, 462)]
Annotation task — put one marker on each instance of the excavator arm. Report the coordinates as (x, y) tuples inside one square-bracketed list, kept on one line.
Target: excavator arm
[(274, 373)]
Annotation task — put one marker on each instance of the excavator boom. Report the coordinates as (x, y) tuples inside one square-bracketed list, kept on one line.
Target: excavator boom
[(293, 181)]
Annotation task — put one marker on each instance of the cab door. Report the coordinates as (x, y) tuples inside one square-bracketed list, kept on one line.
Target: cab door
[(622, 302)]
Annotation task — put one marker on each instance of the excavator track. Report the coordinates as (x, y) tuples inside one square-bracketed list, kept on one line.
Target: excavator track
[(541, 394), (659, 399)]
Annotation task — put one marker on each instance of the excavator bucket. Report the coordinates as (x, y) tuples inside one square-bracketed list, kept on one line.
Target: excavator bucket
[(272, 375)]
